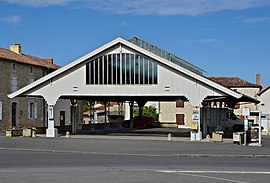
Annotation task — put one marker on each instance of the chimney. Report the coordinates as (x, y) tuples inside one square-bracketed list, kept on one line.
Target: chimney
[(16, 48), (258, 79)]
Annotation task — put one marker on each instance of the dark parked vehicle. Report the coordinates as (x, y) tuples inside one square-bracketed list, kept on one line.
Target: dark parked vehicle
[(143, 121)]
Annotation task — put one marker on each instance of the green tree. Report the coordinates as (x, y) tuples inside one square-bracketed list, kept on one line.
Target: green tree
[(86, 106), (149, 111)]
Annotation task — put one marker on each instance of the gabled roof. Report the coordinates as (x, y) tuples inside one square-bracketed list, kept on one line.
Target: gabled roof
[(264, 90), (27, 59), (232, 82), (127, 43)]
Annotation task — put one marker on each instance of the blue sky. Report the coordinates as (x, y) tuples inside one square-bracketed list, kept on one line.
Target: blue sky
[(223, 37)]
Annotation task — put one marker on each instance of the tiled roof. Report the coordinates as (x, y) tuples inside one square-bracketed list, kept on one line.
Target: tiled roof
[(263, 90), (26, 59), (231, 82)]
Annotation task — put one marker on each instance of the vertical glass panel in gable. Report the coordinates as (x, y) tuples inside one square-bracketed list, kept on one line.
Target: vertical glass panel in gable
[(146, 69), (128, 68), (114, 74), (150, 72), (96, 71), (123, 68), (101, 73), (141, 59), (87, 73), (92, 73), (137, 74), (118, 68), (155, 72), (132, 69), (109, 69), (105, 70)]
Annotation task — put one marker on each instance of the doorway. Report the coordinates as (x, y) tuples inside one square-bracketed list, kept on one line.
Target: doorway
[(62, 118), (13, 113)]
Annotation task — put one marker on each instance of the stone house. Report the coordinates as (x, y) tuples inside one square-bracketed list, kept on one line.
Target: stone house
[(16, 71)]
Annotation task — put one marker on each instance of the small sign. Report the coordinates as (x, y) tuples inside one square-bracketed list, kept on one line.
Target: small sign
[(194, 125), (195, 115)]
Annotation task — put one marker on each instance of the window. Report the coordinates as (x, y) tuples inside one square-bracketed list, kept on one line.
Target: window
[(32, 110), (123, 69), (14, 84), (1, 110), (14, 67), (180, 119), (45, 72), (180, 104), (31, 69)]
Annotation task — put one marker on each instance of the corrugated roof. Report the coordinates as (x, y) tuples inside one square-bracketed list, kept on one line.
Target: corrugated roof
[(26, 59), (164, 54), (231, 82)]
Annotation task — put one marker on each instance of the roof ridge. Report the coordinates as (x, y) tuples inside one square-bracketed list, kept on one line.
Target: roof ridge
[(26, 59)]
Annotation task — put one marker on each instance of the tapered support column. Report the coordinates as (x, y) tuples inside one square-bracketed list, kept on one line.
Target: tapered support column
[(51, 131), (73, 116), (131, 104)]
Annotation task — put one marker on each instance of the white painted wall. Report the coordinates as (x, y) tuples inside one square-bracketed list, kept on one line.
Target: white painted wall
[(264, 107)]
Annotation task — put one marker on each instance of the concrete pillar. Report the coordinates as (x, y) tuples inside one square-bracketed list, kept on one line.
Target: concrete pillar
[(51, 131), (73, 117), (131, 104)]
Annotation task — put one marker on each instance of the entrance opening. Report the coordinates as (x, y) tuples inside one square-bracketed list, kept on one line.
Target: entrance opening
[(13, 113), (62, 118)]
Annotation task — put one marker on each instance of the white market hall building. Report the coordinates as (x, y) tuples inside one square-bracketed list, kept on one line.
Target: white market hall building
[(128, 70)]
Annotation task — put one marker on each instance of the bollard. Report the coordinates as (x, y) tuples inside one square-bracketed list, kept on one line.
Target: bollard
[(34, 133), (207, 138), (67, 134), (169, 137)]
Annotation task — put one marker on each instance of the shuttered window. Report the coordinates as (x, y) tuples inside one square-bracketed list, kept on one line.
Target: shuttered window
[(14, 84), (180, 104), (32, 110), (180, 119)]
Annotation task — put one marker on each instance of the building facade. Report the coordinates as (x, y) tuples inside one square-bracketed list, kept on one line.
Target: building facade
[(264, 107), (16, 71), (179, 114)]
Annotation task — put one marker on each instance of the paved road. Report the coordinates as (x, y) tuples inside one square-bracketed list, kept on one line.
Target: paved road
[(137, 161)]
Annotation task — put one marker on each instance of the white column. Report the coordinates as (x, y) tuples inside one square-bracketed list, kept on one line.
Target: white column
[(73, 116), (51, 131)]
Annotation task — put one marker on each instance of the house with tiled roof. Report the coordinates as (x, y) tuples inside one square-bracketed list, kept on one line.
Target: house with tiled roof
[(244, 87), (264, 107), (16, 71)]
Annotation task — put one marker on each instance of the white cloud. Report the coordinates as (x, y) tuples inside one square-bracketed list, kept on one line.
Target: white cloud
[(150, 7), (256, 20), (172, 7), (39, 3), (11, 19)]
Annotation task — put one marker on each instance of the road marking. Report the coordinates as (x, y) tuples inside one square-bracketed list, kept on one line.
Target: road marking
[(215, 178), (214, 172), (198, 173)]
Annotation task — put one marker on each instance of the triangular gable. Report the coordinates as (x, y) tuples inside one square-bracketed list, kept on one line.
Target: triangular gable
[(138, 49)]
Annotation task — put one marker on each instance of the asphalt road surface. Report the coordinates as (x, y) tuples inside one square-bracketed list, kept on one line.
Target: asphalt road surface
[(60, 160)]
